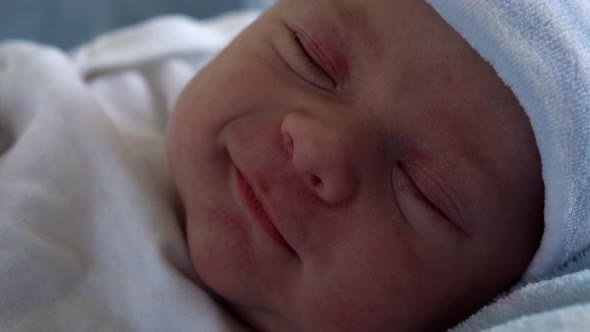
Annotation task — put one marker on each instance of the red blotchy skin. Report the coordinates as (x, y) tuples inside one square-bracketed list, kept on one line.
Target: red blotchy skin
[(331, 52), (339, 64)]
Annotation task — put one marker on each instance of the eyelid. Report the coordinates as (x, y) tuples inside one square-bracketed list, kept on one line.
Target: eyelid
[(432, 189), (310, 56), (306, 66), (319, 55), (406, 178), (291, 48)]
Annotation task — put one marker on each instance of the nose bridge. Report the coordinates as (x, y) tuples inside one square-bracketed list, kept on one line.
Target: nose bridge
[(326, 150)]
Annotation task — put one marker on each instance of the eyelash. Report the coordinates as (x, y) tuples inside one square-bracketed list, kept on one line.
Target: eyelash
[(409, 187), (312, 72)]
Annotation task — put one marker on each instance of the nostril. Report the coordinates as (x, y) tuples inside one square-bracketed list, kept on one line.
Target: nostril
[(287, 145), (316, 181)]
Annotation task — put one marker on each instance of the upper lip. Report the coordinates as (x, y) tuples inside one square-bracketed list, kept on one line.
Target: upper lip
[(263, 203)]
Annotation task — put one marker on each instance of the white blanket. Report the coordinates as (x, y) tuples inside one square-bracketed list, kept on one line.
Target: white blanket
[(557, 303), (89, 239)]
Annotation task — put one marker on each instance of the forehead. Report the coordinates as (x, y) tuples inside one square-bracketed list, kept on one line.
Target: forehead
[(381, 28), (355, 16)]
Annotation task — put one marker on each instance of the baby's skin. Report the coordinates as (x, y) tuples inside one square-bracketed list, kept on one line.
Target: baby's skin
[(351, 165)]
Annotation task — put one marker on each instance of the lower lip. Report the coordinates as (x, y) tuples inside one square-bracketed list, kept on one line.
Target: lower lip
[(257, 213)]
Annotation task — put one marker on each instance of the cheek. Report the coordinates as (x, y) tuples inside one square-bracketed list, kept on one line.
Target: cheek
[(355, 307), (367, 290), (246, 77)]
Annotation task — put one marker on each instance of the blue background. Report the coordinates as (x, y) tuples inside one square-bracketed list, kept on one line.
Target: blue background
[(66, 23)]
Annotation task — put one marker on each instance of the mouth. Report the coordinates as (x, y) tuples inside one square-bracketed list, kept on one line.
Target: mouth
[(257, 212)]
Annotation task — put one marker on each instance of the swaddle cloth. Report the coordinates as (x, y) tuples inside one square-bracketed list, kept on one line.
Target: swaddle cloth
[(560, 302), (89, 233), (541, 50)]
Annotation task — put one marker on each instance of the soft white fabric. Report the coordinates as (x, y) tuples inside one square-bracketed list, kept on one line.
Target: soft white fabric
[(561, 302), (89, 239), (541, 49)]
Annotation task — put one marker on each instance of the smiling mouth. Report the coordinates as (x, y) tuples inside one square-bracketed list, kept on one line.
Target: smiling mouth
[(257, 212)]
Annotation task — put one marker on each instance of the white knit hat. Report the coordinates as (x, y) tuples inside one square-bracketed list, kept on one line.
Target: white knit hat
[(541, 50)]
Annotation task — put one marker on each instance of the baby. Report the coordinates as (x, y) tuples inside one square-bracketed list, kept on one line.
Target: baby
[(355, 166), (350, 165)]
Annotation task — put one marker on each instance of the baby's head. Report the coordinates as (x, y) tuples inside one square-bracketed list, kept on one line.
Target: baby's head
[(352, 165)]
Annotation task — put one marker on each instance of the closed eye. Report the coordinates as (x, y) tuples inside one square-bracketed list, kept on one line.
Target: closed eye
[(416, 202), (305, 64)]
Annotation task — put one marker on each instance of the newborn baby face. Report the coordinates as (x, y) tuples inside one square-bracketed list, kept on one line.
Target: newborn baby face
[(352, 165)]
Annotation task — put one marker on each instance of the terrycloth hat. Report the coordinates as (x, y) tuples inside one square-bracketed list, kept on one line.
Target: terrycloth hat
[(541, 50)]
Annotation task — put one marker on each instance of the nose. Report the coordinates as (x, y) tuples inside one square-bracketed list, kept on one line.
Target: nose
[(324, 152)]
